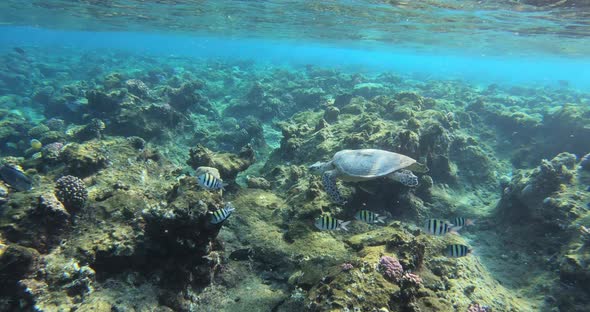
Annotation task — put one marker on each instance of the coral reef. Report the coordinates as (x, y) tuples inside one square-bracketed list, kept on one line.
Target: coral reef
[(116, 219)]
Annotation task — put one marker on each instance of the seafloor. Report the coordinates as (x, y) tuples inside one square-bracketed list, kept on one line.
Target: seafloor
[(134, 234)]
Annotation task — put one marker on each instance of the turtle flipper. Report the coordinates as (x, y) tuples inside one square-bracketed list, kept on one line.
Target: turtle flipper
[(405, 177), (329, 180)]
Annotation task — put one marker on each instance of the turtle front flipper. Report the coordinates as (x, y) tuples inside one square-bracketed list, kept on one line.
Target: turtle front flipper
[(405, 177), (329, 180)]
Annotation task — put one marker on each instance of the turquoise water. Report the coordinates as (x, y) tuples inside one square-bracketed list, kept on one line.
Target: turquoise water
[(178, 155), (486, 66)]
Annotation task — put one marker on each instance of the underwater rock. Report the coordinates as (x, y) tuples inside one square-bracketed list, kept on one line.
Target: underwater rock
[(52, 211), (38, 131), (137, 142), (574, 271), (113, 80), (137, 88), (71, 191), (228, 164), (55, 124), (51, 152), (343, 99), (183, 230), (263, 102), (531, 188), (369, 90), (255, 95), (248, 131), (309, 97), (284, 177), (473, 163), (355, 106), (43, 95), (146, 121), (364, 288), (331, 113), (92, 130), (15, 263), (187, 97), (60, 281), (407, 143), (102, 102), (83, 159), (258, 183)]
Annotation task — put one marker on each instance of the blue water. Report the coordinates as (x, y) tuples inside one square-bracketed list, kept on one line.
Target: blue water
[(439, 63)]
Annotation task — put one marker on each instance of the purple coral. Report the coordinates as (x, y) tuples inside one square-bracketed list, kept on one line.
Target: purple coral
[(475, 307), (391, 268), (346, 267)]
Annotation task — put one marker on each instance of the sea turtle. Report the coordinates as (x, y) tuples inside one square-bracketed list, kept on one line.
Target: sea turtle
[(363, 165)]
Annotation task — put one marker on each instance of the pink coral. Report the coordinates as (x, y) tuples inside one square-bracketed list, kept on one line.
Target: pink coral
[(411, 279), (475, 307), (391, 268), (346, 267)]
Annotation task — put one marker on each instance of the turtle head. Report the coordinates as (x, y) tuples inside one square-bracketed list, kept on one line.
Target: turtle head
[(319, 167)]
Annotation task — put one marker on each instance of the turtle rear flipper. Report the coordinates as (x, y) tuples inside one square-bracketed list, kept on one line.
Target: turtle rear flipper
[(405, 177), (329, 181)]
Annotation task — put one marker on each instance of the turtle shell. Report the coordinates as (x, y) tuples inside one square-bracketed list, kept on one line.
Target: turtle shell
[(369, 163)]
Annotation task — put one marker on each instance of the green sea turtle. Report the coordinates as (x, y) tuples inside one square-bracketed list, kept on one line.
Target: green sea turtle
[(363, 165)]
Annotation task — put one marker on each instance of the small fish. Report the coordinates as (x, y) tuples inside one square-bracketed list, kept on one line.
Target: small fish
[(369, 217), (15, 178), (457, 250), (36, 144), (460, 222), (438, 227), (222, 214), (588, 189), (210, 182), (330, 223)]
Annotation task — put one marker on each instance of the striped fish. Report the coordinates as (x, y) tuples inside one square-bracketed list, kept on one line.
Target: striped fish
[(460, 222), (438, 227), (222, 214), (330, 223), (457, 250), (210, 182), (369, 217)]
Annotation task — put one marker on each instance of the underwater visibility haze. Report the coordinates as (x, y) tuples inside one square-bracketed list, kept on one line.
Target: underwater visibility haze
[(295, 155)]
